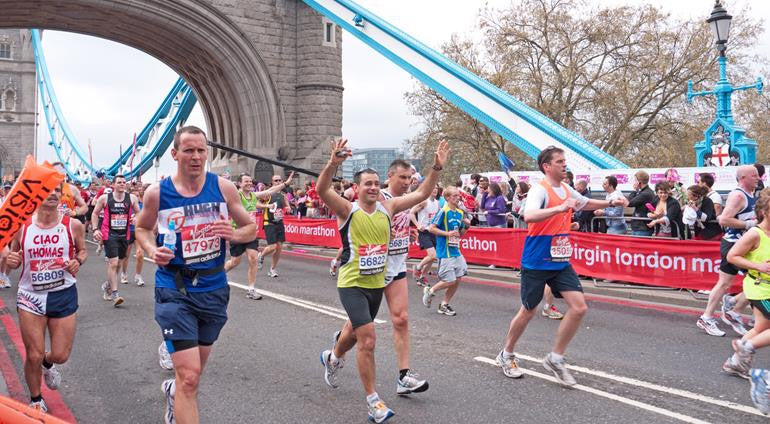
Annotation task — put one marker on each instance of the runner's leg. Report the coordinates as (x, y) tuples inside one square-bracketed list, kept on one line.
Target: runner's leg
[(113, 264), (571, 322), (366, 338), (346, 340), (188, 366), (276, 255), (252, 255), (233, 262), (397, 296), (139, 261), (518, 325), (62, 334), (33, 335), (450, 291), (427, 262), (719, 289)]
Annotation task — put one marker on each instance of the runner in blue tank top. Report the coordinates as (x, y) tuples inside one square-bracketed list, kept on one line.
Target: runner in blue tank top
[(191, 291)]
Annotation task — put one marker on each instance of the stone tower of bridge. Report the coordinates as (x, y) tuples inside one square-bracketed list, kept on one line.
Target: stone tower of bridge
[(267, 73), (18, 97)]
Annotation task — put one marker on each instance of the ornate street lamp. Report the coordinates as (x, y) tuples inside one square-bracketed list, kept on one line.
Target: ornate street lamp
[(724, 142)]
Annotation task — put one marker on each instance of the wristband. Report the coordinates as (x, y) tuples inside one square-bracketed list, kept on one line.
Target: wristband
[(437, 167), (79, 261)]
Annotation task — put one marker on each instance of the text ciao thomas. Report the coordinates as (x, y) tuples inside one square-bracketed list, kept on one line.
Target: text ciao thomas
[(651, 260)]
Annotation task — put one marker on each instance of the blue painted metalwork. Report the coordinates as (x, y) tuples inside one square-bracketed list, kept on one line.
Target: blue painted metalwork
[(571, 140), (723, 130), (152, 142)]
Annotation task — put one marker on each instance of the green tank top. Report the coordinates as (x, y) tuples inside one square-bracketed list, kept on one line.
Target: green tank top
[(756, 285), (365, 239), (250, 204)]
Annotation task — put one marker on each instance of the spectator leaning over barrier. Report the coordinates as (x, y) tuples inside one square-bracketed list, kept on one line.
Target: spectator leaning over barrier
[(667, 217), (493, 205), (699, 214), (614, 226), (639, 199), (707, 180)]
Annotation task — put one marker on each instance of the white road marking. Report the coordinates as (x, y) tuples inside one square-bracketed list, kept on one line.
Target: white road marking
[(656, 387), (621, 399), (324, 309)]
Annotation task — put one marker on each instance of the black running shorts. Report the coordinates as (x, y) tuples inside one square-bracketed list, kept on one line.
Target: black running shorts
[(275, 233), (360, 304), (533, 283)]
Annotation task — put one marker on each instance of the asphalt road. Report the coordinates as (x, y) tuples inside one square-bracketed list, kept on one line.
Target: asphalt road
[(639, 365)]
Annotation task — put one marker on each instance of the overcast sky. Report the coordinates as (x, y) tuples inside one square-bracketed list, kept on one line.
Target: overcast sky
[(109, 91)]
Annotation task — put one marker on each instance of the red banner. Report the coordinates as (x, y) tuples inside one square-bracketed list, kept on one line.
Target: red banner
[(687, 264)]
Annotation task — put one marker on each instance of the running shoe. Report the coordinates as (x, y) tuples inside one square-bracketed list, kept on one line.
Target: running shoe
[(39, 405), (552, 312), (740, 363), (330, 370), (410, 383), (735, 320), (760, 390), (106, 291), (427, 297), (378, 412), (252, 294), (117, 300), (164, 358), (52, 377), (98, 249), (510, 365), (728, 303), (735, 368), (560, 371), (709, 325), (168, 389), (123, 278), (260, 261), (139, 280), (272, 273), (445, 309), (333, 268)]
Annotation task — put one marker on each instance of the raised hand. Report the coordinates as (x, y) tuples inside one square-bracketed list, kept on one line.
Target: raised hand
[(339, 151), (442, 153)]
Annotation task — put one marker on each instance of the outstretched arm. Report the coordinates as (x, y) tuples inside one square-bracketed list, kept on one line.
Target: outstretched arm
[(334, 201), (398, 204)]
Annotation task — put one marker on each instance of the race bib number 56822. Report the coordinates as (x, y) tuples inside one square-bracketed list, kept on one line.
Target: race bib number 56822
[(372, 258)]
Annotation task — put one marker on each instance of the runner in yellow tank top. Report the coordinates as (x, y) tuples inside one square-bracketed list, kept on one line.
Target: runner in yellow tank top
[(752, 252), (365, 233)]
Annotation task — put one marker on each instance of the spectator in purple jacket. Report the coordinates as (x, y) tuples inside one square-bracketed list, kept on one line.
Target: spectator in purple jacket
[(493, 204)]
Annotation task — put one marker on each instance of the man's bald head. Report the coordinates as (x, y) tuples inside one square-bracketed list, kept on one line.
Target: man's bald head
[(747, 177), (744, 171)]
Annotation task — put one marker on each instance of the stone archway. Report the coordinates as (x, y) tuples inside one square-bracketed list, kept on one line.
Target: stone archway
[(259, 69)]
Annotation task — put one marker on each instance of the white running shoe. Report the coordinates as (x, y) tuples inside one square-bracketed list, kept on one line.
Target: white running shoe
[(427, 297), (139, 280), (52, 377), (378, 412), (253, 294), (410, 383), (734, 320), (123, 278), (760, 390), (709, 325), (272, 273), (5, 281), (106, 291), (330, 370), (168, 389), (164, 358), (510, 365), (117, 300), (333, 268), (40, 405), (560, 371), (98, 249)]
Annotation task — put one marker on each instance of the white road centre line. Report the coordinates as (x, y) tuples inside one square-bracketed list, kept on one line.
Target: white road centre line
[(611, 396), (655, 387), (324, 309)]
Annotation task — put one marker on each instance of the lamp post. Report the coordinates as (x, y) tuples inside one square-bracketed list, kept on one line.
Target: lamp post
[(724, 142)]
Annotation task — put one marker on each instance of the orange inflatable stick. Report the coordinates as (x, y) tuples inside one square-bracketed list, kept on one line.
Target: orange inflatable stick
[(32, 187), (13, 412)]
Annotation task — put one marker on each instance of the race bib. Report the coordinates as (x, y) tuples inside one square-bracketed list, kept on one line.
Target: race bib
[(278, 214), (372, 258), (118, 221), (561, 249), (398, 246), (199, 244), (46, 274), (453, 241)]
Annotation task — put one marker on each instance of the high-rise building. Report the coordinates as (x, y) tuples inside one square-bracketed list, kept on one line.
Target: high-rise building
[(378, 159), (18, 97)]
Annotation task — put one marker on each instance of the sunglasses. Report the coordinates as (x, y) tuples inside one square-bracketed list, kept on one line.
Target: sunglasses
[(277, 181)]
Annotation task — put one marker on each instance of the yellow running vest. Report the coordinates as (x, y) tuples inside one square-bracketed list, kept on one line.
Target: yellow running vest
[(756, 285), (365, 241)]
